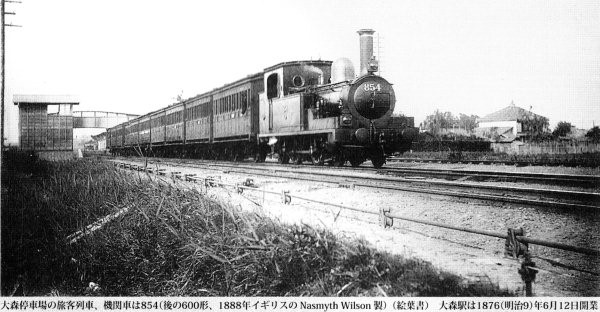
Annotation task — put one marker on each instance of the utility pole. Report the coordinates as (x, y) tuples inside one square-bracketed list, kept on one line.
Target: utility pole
[(3, 24), (2, 91)]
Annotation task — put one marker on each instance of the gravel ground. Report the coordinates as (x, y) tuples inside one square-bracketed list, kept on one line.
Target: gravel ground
[(472, 256)]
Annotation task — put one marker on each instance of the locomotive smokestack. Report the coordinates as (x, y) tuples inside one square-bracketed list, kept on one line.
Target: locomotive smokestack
[(366, 49)]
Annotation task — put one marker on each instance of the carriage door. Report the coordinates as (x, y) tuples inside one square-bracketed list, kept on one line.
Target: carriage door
[(272, 92)]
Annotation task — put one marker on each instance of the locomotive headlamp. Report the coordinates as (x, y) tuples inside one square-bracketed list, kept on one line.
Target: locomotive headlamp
[(373, 65)]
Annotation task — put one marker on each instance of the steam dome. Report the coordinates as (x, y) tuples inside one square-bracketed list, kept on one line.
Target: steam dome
[(342, 70)]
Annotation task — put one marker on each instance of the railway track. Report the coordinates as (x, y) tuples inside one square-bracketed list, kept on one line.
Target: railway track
[(537, 197), (501, 176), (585, 181), (486, 162)]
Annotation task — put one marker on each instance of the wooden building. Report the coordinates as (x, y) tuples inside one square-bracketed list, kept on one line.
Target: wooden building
[(45, 122)]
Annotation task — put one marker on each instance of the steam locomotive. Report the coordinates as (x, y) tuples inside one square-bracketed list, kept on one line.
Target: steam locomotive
[(316, 111)]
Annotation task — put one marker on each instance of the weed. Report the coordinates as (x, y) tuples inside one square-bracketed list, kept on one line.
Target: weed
[(175, 241)]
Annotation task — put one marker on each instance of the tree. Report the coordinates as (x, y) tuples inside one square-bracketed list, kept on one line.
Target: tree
[(537, 126), (434, 123), (562, 129), (467, 122), (594, 134)]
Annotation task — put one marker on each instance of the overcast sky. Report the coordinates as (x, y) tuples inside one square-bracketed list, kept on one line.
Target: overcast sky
[(471, 57)]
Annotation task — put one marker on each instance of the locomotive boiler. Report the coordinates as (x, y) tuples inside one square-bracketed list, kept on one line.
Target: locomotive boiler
[(317, 111), (347, 119)]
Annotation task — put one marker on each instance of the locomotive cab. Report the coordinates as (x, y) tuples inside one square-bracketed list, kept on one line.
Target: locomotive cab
[(281, 105)]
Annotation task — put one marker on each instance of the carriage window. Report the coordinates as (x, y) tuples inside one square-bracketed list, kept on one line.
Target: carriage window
[(244, 101), (272, 86)]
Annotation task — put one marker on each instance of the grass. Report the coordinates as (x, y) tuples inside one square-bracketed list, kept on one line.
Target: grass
[(175, 241)]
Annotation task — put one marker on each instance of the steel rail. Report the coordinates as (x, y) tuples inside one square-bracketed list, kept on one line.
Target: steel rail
[(594, 197), (591, 197), (526, 176), (486, 162), (488, 174), (562, 246), (271, 171)]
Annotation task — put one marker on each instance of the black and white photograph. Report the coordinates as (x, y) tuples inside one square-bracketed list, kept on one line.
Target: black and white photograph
[(306, 150)]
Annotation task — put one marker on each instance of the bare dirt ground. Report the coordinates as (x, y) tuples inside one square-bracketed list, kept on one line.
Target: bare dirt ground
[(472, 256)]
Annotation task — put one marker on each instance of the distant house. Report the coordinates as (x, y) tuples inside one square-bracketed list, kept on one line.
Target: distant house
[(577, 134), (511, 123), (100, 141)]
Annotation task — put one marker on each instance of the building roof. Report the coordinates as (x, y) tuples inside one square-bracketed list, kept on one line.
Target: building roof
[(45, 99), (509, 113), (99, 137), (296, 63)]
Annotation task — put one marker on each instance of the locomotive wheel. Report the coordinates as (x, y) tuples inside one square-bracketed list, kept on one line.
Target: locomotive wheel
[(296, 159), (238, 157), (338, 160), (378, 161), (355, 162), (260, 157), (317, 159)]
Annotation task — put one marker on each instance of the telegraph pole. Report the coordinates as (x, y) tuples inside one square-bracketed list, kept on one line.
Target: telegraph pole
[(2, 91), (3, 24)]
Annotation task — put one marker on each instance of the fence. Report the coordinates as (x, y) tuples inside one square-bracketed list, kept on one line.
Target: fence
[(571, 147)]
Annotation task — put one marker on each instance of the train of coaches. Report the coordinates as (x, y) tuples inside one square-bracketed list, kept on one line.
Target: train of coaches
[(316, 111)]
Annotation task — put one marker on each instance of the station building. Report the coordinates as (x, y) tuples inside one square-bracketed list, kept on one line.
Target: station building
[(50, 127), (46, 124)]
